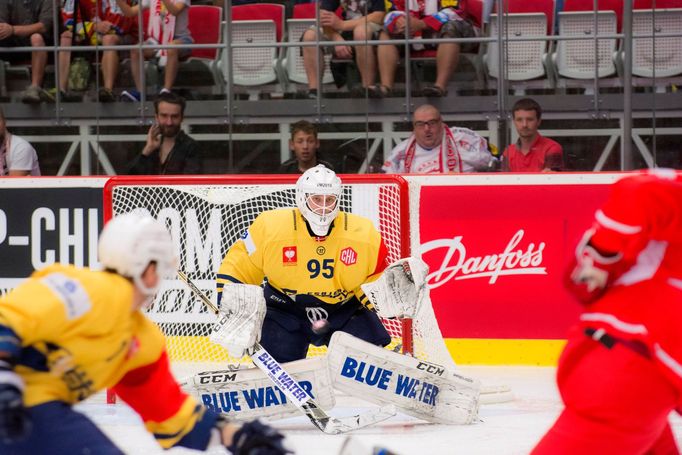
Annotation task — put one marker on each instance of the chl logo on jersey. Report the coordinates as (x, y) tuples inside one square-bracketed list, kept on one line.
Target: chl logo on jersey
[(289, 255), (348, 256)]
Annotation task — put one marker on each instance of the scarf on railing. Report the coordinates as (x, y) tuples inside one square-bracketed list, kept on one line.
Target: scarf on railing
[(161, 28), (447, 153)]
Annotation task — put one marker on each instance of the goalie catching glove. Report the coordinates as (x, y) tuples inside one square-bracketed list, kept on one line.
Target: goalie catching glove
[(242, 312), (400, 289)]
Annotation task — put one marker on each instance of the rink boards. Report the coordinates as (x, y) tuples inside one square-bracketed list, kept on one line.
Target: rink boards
[(496, 245)]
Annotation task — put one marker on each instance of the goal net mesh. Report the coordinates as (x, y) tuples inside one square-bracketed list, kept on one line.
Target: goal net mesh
[(205, 219)]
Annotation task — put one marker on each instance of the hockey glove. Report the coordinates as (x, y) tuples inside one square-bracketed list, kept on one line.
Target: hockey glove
[(256, 438), (14, 422)]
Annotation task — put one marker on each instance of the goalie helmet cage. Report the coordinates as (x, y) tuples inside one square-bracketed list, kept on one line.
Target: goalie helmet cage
[(207, 214)]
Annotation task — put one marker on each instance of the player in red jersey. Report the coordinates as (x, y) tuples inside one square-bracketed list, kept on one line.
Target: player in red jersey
[(620, 374)]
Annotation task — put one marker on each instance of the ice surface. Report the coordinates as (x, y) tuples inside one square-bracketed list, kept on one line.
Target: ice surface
[(506, 428)]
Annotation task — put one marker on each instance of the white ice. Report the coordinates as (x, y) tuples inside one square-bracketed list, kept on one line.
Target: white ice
[(505, 429)]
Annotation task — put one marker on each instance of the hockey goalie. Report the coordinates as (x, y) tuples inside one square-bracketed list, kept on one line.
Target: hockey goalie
[(316, 263)]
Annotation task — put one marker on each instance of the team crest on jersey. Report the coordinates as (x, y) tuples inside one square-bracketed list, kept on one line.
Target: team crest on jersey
[(348, 256), (289, 255)]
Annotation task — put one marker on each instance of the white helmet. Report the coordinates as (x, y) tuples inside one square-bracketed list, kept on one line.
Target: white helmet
[(318, 180), (130, 242)]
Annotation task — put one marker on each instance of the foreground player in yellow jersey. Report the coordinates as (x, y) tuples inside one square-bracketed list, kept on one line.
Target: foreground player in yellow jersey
[(67, 333), (312, 260)]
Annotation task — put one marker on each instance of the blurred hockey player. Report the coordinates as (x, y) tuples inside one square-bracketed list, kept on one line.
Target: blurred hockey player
[(312, 260), (620, 375), (67, 333)]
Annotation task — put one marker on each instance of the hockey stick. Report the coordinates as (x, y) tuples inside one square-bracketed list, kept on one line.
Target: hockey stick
[(293, 390)]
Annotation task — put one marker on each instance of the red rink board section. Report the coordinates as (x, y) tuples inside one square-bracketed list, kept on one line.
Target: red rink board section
[(496, 255)]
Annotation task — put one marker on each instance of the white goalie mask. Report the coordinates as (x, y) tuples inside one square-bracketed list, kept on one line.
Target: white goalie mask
[(130, 242), (318, 193)]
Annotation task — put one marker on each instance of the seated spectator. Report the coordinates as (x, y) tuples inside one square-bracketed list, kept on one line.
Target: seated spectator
[(532, 152), (168, 149), (304, 144), (361, 20), (96, 22), (432, 148), (168, 24), (428, 19), (17, 156), (28, 27)]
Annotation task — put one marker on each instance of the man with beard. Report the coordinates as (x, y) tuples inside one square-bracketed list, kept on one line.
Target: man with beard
[(532, 152), (435, 148), (304, 144), (168, 149)]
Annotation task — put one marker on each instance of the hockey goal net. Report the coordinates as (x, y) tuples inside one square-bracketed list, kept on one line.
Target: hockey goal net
[(206, 215)]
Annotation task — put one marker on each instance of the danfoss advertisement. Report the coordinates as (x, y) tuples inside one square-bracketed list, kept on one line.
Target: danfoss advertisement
[(497, 254)]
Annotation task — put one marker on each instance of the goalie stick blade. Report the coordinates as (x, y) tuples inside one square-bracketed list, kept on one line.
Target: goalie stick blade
[(334, 425)]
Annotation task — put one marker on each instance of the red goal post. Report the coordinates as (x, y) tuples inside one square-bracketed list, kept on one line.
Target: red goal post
[(206, 214)]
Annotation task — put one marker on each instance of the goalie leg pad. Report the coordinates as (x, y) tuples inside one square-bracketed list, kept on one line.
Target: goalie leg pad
[(420, 389), (248, 394)]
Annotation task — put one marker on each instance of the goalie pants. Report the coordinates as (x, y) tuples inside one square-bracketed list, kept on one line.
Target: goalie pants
[(60, 430), (616, 402), (287, 336)]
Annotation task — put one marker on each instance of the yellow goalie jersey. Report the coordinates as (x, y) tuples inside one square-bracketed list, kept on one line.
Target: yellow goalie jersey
[(311, 270)]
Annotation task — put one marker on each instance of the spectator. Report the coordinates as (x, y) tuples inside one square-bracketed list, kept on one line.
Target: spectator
[(96, 23), (168, 24), (24, 26), (305, 144), (532, 152), (17, 156), (360, 20), (168, 149), (433, 148), (431, 19)]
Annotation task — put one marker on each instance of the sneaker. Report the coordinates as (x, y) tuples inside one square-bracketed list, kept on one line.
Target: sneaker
[(434, 91), (31, 95), (164, 90), (105, 95), (130, 95)]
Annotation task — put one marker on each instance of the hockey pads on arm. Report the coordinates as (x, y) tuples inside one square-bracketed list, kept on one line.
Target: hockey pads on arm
[(592, 271), (242, 311), (257, 438), (400, 289), (417, 388), (14, 421)]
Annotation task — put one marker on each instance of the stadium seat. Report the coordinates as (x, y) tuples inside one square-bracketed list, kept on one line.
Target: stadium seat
[(526, 61), (662, 61), (304, 17), (261, 23), (575, 61), (205, 24)]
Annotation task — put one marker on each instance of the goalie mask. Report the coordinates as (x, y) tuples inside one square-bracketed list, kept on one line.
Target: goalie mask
[(318, 192), (130, 242)]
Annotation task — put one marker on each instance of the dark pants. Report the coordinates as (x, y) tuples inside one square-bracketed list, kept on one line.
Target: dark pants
[(59, 429), (286, 336)]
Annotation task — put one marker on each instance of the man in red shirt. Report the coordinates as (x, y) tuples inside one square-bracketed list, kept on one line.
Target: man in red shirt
[(532, 152)]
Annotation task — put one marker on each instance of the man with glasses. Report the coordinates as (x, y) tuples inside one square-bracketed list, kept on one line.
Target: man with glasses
[(434, 148)]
